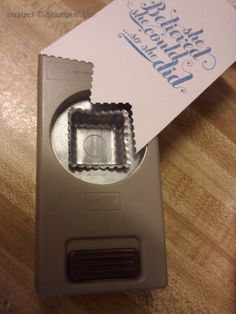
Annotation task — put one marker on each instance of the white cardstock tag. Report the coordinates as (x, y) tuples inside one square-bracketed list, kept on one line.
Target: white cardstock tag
[(156, 55)]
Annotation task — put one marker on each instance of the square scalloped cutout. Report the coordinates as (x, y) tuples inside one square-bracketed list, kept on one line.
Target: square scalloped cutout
[(99, 139)]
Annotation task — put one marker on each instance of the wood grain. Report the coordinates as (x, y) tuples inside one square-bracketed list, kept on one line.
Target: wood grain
[(198, 158)]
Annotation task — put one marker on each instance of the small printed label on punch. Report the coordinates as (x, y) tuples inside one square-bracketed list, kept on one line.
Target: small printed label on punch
[(69, 73), (102, 201)]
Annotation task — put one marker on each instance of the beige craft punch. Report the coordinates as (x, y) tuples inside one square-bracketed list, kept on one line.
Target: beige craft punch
[(99, 205)]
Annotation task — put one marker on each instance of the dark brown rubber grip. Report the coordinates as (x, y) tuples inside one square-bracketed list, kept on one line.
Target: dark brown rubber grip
[(103, 264)]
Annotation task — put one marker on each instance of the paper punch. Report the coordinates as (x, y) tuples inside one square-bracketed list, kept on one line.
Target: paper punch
[(99, 206)]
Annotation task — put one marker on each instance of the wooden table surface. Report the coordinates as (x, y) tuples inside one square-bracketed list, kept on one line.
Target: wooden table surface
[(198, 166)]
